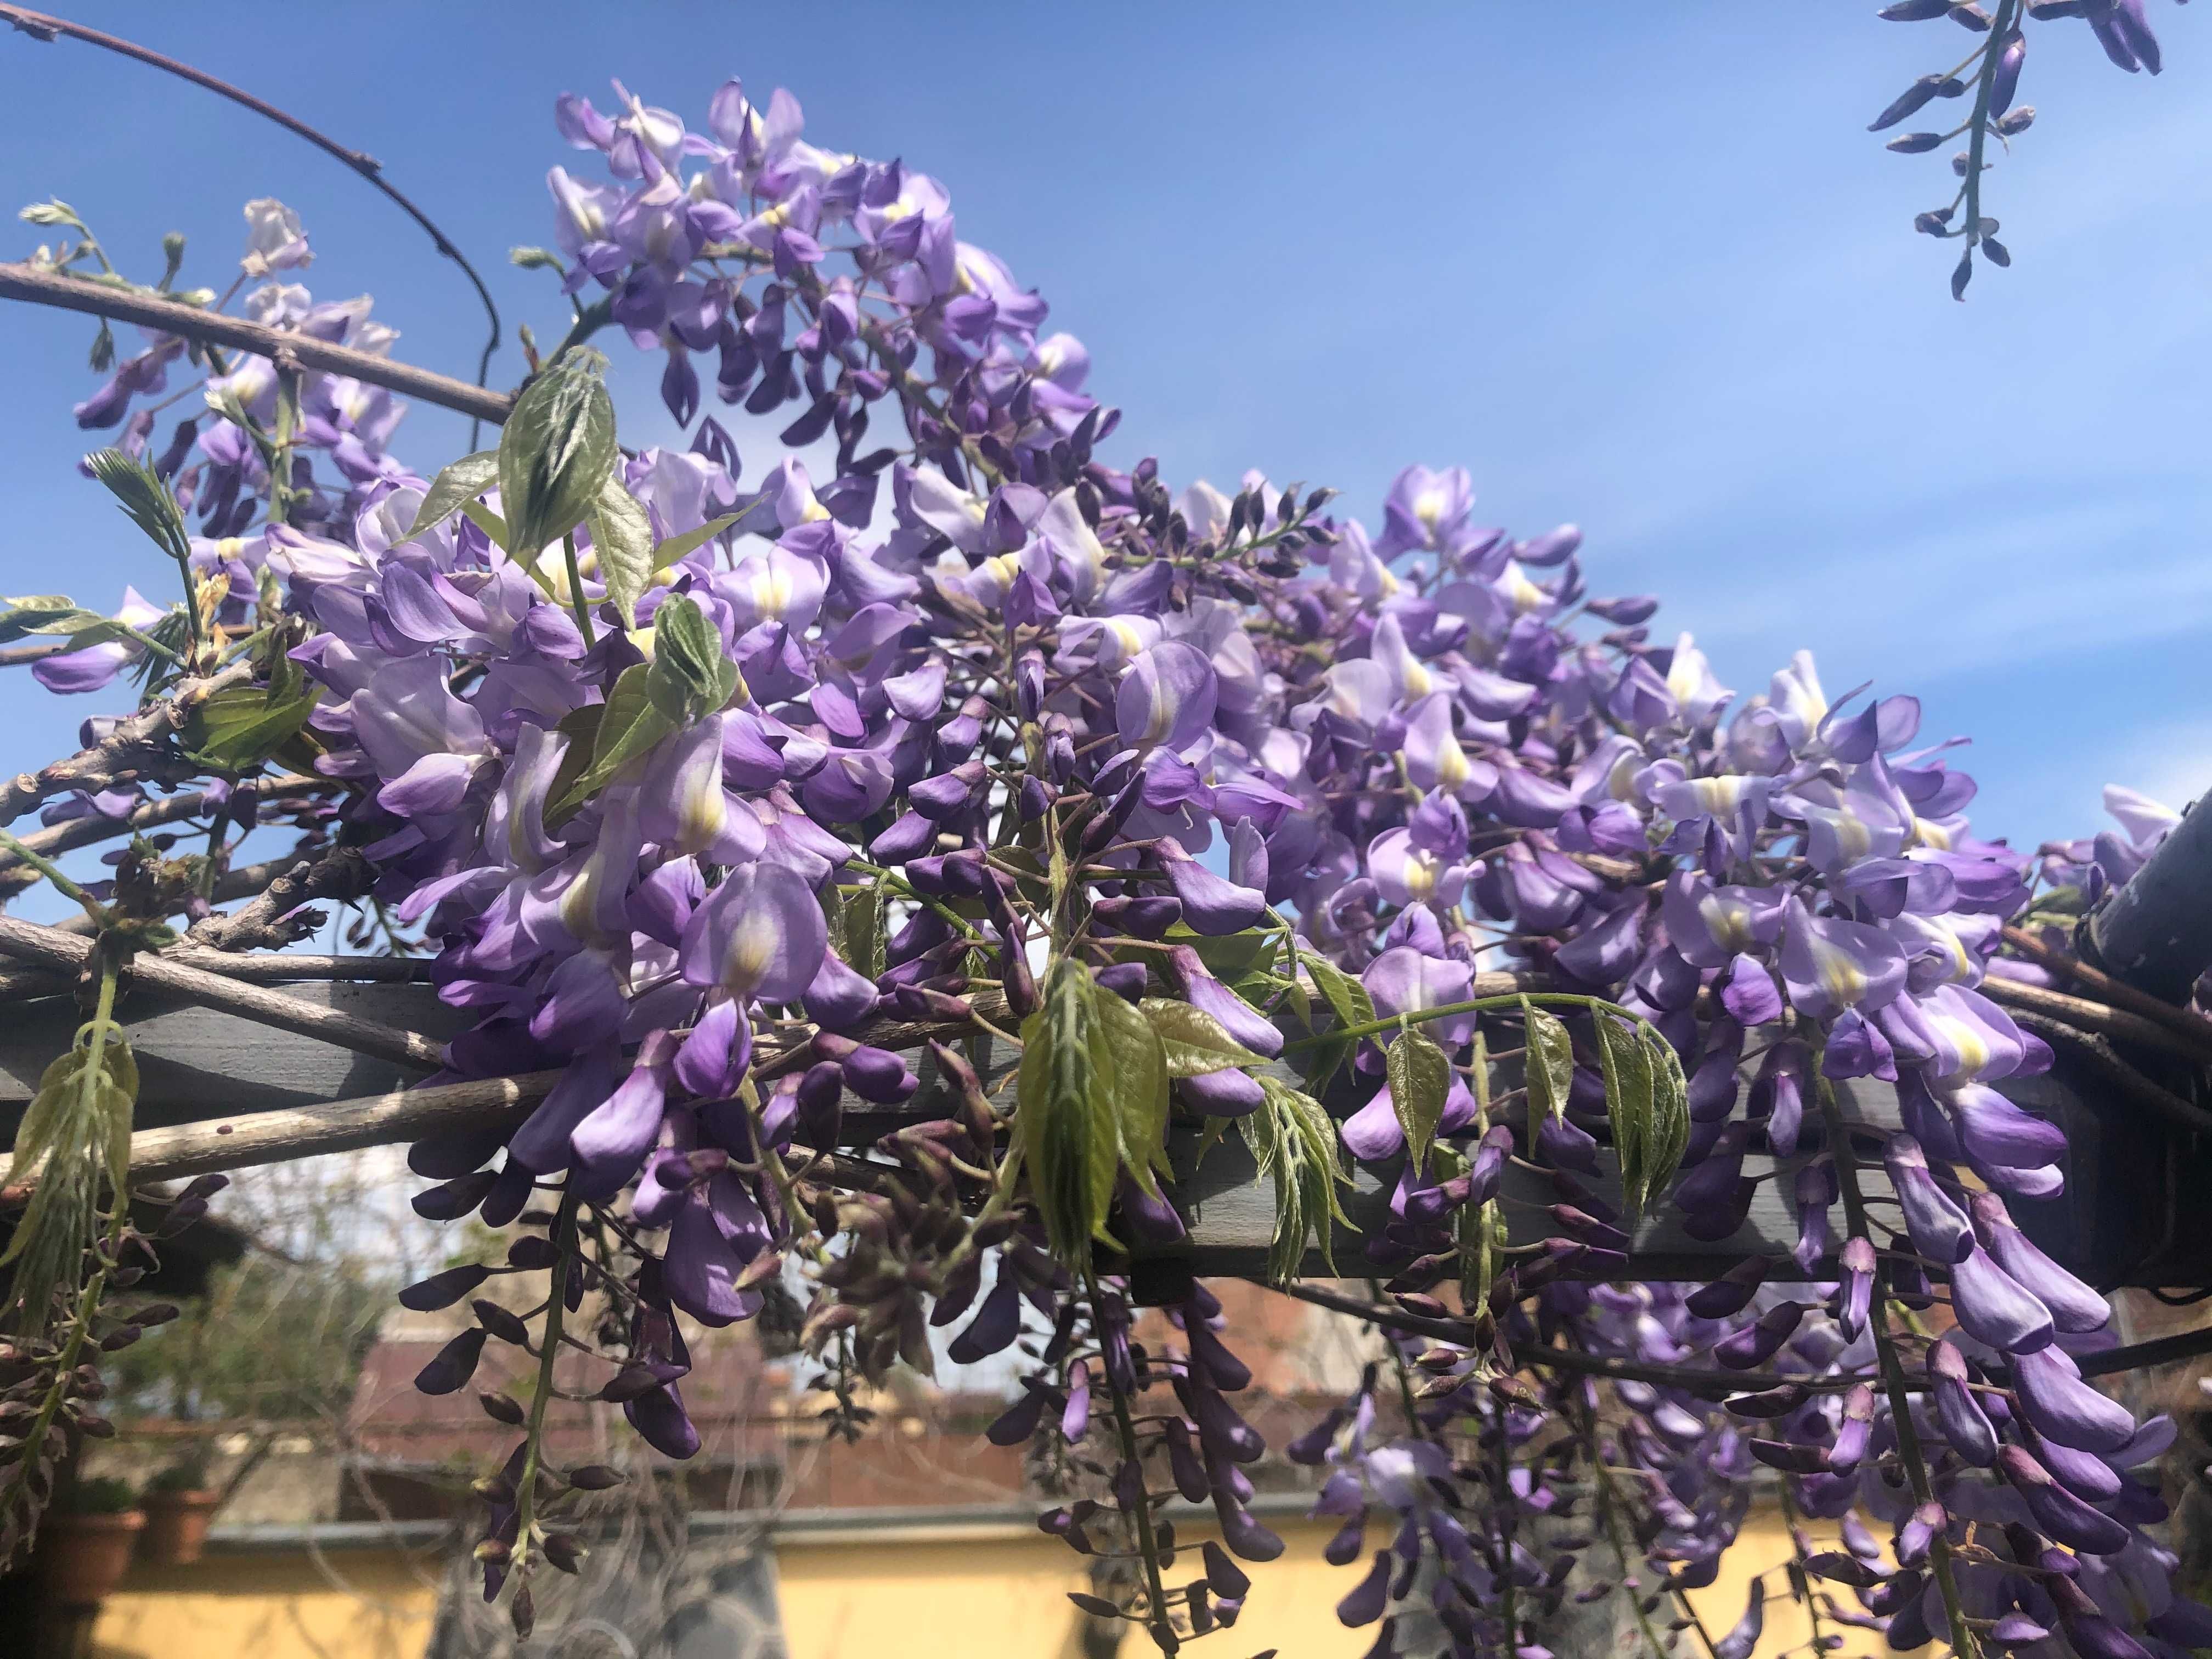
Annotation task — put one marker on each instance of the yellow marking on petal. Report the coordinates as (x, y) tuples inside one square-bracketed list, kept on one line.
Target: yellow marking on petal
[(1387, 583), (1717, 794), (1429, 507), (1845, 982), (1127, 634), (1421, 873), (1419, 681), (773, 590), (1729, 920), (646, 640), (1928, 834), (1453, 767), (1524, 593), (1966, 1040), (752, 947)]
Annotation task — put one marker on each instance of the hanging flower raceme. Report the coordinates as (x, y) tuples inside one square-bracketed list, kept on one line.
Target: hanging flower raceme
[(750, 792)]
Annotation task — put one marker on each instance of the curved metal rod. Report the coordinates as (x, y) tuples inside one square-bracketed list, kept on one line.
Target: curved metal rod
[(41, 27)]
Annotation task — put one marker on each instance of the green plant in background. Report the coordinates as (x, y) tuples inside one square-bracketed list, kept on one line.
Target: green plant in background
[(99, 1495)]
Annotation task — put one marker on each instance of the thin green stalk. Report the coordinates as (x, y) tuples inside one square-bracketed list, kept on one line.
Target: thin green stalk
[(1157, 1620), (899, 885), (2007, 18), (526, 1493), (52, 871), (576, 599), (1450, 1010)]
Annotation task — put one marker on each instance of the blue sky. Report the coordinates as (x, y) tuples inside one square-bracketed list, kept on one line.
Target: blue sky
[(1636, 266)]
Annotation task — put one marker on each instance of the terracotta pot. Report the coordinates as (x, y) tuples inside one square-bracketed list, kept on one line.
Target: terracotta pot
[(177, 1525), (82, 1557)]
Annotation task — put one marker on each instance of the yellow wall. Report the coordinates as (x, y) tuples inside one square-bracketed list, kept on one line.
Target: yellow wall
[(994, 1595), (272, 1607)]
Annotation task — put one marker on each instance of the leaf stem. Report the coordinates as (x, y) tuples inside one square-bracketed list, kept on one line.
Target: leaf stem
[(576, 599)]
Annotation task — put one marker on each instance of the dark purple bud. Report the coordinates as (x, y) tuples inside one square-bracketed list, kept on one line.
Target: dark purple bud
[(1920, 1529), (1139, 917), (1914, 143), (840, 999), (1913, 11), (2057, 1511), (1126, 979), (1223, 1576), (454, 1199), (1014, 1426), (1364, 1604), (2064, 1408), (2073, 1306), (1851, 1442), (1939, 1227), (2092, 1634), (1911, 100), (907, 838), (1731, 1292), (1789, 1458), (940, 797), (996, 1323), (1965, 1424), (2006, 81), (1211, 904), (443, 1290), (1993, 1309), (1774, 1402), (1756, 1343), (453, 1365)]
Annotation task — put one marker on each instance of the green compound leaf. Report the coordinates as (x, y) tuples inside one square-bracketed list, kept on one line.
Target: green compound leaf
[(1066, 1127), (1420, 1078), (1549, 1064)]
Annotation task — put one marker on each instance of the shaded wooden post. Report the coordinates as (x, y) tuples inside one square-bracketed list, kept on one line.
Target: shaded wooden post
[(2156, 933)]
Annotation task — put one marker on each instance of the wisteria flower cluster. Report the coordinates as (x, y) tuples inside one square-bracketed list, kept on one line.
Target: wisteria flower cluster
[(1988, 79), (906, 755)]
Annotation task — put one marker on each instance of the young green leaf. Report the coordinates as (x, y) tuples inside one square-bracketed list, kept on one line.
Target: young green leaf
[(629, 726), (454, 488), (1346, 997), (1065, 1129), (39, 613), (1670, 1113), (675, 546), (691, 675), (1549, 1063), (145, 500), (237, 729), (1294, 1142), (1141, 1090), (622, 537), (1347, 1000), (1194, 1041), (1627, 1066), (1420, 1078), (556, 451), (1231, 956)]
